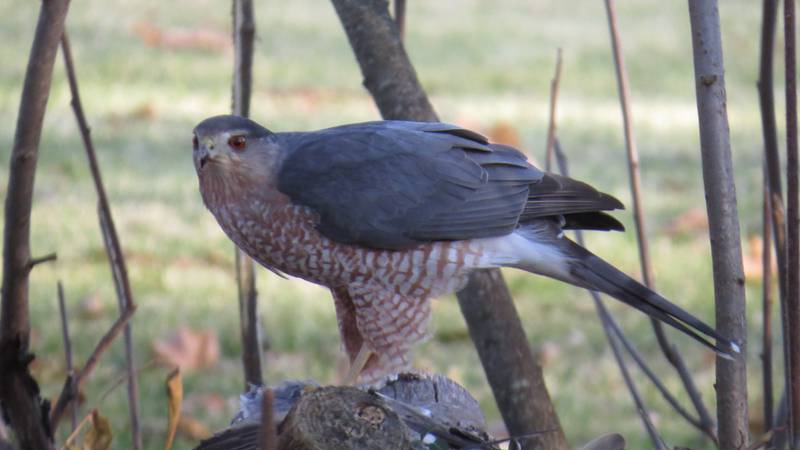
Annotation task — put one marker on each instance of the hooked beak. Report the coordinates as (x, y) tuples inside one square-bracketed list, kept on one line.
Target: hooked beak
[(205, 153)]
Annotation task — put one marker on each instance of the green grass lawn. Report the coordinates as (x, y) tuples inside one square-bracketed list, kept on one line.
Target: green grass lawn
[(483, 64)]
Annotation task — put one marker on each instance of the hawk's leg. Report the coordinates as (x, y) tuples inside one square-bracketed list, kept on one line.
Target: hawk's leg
[(358, 354), (357, 365)]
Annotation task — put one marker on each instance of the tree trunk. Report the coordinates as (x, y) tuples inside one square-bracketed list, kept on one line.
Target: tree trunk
[(19, 393), (514, 374)]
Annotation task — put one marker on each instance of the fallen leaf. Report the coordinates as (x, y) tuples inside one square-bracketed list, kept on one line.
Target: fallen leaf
[(692, 221), (193, 428), (174, 401), (207, 39), (91, 307), (188, 349), (99, 436), (504, 133), (752, 259)]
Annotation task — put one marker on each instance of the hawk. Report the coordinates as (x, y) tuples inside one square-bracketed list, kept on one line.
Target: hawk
[(390, 214)]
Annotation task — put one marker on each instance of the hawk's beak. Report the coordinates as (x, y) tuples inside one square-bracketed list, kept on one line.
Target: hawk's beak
[(205, 153)]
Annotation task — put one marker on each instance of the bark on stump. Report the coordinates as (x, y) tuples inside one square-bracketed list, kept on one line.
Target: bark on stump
[(342, 418)]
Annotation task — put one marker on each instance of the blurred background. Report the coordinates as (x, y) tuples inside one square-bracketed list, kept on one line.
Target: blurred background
[(150, 70)]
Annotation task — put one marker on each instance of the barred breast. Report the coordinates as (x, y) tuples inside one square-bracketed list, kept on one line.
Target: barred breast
[(284, 238)]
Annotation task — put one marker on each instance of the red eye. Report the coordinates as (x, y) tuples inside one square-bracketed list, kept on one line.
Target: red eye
[(195, 144), (237, 142)]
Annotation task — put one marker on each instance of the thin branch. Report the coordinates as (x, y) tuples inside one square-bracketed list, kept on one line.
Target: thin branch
[(243, 34), (614, 335), (18, 390), (111, 240), (655, 438), (669, 350), (551, 128), (268, 437), (726, 250), (792, 310), (766, 98), (767, 301), (70, 390), (41, 259), (62, 309), (514, 375), (72, 436), (400, 17)]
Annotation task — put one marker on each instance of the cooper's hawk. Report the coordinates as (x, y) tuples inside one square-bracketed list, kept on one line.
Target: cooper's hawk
[(390, 214)]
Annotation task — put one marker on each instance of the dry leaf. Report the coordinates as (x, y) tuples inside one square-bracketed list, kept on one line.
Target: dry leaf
[(751, 260), (504, 133), (175, 399), (91, 307), (692, 221), (177, 38), (99, 436), (188, 349), (193, 428)]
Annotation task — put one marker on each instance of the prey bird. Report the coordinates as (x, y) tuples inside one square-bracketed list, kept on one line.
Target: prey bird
[(390, 214)]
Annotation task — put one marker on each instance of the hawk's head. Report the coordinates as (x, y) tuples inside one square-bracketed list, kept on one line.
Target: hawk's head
[(232, 153)]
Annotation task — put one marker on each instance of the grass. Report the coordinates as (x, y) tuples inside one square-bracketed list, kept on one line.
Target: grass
[(482, 64)]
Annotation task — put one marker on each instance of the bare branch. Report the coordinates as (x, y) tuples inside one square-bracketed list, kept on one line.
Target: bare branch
[(71, 390), (111, 240), (243, 34), (792, 310), (726, 251), (62, 309), (493, 322), (18, 390), (767, 301), (667, 348), (41, 259), (773, 201), (387, 71), (610, 323), (615, 335), (269, 433), (551, 128)]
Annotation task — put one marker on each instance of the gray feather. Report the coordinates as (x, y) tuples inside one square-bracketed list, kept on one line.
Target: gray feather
[(396, 184)]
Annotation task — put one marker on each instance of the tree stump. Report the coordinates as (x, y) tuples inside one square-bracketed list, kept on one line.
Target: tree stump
[(342, 418)]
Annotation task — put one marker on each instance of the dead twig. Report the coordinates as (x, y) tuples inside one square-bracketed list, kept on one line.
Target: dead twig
[(615, 336), (111, 240), (773, 227), (726, 251), (268, 437), (41, 259), (792, 310), (62, 309), (667, 348), (70, 391), (551, 128), (243, 34)]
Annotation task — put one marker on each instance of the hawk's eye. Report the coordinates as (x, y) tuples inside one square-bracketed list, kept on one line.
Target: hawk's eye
[(195, 143), (237, 142)]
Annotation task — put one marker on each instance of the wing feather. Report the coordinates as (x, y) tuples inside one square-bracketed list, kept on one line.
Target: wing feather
[(396, 184)]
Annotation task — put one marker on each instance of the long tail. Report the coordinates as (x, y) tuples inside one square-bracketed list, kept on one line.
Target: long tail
[(574, 264)]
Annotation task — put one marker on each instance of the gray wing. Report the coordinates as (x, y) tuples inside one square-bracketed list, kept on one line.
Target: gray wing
[(396, 184)]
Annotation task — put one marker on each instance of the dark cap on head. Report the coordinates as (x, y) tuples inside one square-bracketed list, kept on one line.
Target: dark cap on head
[(227, 123)]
